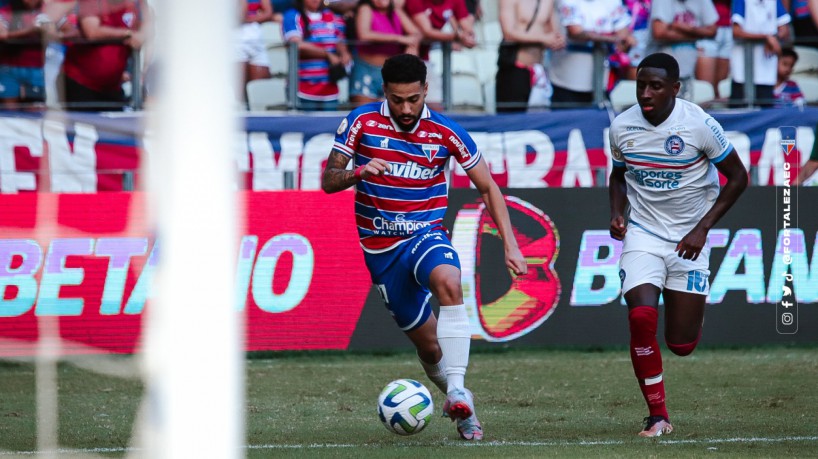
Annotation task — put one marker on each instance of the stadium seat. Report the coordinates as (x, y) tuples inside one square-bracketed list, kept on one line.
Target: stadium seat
[(279, 61), (725, 87), (489, 91), (464, 62), (807, 60), (492, 34), (486, 63), (623, 95), (808, 85), (702, 92), (271, 33), (343, 91), (467, 92), (267, 94)]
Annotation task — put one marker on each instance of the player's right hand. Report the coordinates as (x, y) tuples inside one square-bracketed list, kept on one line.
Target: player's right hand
[(375, 167), (618, 228)]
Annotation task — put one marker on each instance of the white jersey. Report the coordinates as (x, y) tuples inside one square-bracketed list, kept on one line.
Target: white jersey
[(671, 178)]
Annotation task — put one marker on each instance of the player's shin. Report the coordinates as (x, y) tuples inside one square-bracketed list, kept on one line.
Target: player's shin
[(436, 372), (454, 336), (646, 358)]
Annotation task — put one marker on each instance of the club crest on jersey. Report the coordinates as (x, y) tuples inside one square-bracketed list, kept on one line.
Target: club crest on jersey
[(787, 146), (430, 151), (674, 145), (385, 142)]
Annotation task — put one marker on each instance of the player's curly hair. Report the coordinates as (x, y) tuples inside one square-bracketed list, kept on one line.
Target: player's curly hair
[(404, 68), (662, 61)]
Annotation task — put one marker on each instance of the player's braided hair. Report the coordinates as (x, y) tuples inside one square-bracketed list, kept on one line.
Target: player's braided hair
[(404, 68), (661, 61)]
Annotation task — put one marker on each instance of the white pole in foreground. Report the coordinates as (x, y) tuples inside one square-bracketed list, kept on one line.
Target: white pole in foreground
[(194, 350)]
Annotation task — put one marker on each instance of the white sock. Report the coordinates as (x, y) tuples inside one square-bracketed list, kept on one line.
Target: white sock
[(454, 336), (436, 372)]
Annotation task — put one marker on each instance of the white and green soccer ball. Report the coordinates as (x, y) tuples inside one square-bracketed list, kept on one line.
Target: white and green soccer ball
[(405, 406)]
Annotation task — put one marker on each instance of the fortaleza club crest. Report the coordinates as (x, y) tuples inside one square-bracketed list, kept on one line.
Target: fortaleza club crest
[(430, 151), (674, 145), (503, 307)]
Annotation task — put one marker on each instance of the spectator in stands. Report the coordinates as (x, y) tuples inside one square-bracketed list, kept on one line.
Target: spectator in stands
[(94, 67), (765, 23), (529, 28), (63, 14), (22, 26), (440, 21), (640, 29), (382, 31), (606, 22), (804, 15), (786, 91), (251, 50), (713, 63), (676, 25), (322, 52)]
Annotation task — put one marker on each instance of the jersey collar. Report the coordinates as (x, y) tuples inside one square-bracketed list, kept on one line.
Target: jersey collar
[(424, 114)]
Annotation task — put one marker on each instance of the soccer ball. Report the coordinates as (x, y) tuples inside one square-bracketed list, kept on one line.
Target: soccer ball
[(405, 406)]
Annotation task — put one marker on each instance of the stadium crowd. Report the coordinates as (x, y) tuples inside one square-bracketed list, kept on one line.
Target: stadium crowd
[(83, 51)]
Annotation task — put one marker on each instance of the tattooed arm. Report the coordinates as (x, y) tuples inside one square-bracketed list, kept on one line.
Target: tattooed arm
[(336, 177)]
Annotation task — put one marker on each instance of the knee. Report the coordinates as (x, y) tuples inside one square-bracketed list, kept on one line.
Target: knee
[(683, 349), (643, 319), (430, 352), (448, 290)]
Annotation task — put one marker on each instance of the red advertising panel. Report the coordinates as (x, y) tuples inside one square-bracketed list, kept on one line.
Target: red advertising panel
[(88, 261)]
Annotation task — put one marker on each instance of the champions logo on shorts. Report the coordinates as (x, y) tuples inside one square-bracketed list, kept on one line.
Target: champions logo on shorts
[(503, 307), (674, 145)]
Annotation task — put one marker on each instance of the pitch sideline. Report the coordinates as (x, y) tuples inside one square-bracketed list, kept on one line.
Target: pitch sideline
[(456, 444)]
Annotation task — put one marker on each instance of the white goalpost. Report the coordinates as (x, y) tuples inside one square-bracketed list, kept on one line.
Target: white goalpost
[(193, 331)]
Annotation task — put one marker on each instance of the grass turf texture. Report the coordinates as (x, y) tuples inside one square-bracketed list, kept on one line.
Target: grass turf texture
[(756, 402)]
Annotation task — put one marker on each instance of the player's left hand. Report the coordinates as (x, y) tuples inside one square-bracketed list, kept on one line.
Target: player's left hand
[(691, 245), (515, 261)]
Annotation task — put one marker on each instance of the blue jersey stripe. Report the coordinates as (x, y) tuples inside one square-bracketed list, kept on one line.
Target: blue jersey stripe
[(409, 194), (662, 159)]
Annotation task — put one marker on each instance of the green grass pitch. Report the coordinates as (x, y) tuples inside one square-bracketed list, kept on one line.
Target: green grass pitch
[(757, 402)]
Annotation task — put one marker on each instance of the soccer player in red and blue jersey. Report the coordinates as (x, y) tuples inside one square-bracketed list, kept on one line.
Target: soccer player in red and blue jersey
[(399, 150)]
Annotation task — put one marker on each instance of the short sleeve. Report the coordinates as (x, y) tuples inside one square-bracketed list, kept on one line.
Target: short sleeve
[(617, 159), (462, 147), (738, 13), (709, 14), (714, 143), (291, 25), (781, 14), (662, 11), (569, 14), (414, 7), (348, 135), (460, 10)]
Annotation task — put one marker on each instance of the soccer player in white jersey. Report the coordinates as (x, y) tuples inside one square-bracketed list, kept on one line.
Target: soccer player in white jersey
[(667, 153)]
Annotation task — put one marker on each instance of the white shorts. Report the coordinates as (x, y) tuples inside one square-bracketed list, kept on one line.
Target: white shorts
[(647, 259), (250, 46), (719, 46)]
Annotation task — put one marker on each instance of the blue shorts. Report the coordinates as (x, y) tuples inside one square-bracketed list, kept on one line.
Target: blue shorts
[(18, 81), (402, 275)]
